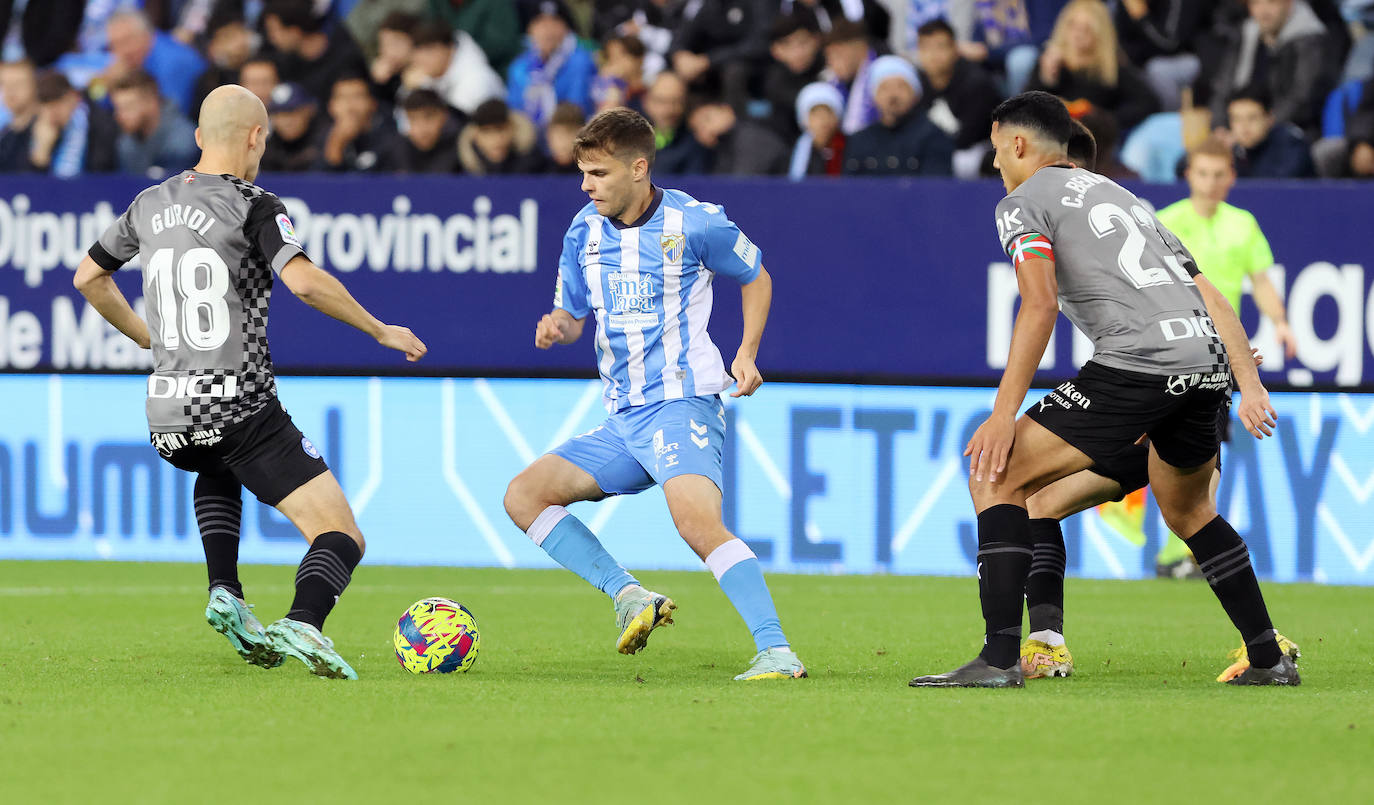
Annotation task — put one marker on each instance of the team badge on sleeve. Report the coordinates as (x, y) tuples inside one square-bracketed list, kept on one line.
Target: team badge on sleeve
[(1029, 245), (288, 232)]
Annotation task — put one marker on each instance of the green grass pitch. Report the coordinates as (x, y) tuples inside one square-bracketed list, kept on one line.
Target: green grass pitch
[(113, 689)]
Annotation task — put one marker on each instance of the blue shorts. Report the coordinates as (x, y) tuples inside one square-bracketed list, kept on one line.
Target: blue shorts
[(646, 445)]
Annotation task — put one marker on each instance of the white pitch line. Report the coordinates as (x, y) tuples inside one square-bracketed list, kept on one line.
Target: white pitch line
[(765, 462), (455, 482), (924, 505), (503, 420), (374, 447)]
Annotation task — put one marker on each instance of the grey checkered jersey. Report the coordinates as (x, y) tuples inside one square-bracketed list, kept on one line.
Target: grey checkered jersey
[(1124, 279), (209, 246)]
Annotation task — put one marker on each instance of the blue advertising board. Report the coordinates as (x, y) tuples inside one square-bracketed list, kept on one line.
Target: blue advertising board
[(819, 478), (874, 279)]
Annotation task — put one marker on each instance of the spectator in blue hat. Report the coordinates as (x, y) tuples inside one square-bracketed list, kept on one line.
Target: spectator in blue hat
[(903, 141), (553, 68), (820, 148), (295, 142)]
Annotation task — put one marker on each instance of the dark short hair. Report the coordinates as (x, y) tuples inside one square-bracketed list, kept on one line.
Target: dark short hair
[(423, 99), (431, 32), (399, 21), (261, 58), (1038, 111), (222, 18), (1254, 96), (494, 112), (568, 114), (295, 14), (846, 30), (799, 18), (51, 86), (349, 75), (935, 26), (621, 133), (1083, 147), (633, 45), (136, 80)]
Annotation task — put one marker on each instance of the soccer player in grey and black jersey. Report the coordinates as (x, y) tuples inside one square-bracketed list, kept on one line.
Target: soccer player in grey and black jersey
[(1161, 335), (210, 243)]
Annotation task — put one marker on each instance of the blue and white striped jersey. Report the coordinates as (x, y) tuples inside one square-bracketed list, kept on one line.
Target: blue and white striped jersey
[(650, 286)]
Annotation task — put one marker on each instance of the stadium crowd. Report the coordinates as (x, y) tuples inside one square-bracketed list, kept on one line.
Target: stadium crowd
[(739, 87)]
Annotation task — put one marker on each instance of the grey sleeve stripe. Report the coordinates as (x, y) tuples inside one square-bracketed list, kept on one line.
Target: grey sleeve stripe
[(284, 256)]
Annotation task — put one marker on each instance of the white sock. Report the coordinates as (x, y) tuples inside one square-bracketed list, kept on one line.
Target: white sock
[(1048, 637)]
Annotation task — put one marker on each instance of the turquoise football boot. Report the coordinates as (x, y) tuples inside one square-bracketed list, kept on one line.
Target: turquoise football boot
[(774, 663), (234, 619), (305, 643)]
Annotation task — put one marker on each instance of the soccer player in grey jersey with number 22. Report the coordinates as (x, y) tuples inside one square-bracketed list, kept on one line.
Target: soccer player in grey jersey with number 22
[(1161, 335), (210, 243)]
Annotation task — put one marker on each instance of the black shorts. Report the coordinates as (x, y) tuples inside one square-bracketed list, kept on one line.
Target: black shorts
[(265, 452), (1104, 411)]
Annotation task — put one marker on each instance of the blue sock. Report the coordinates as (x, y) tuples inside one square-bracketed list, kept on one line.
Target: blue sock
[(738, 571), (574, 546)]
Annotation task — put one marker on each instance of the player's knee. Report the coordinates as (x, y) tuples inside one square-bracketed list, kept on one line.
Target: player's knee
[(1185, 521), (520, 501), (358, 538)]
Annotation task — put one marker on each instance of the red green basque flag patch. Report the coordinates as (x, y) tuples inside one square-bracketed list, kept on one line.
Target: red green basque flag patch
[(1027, 246)]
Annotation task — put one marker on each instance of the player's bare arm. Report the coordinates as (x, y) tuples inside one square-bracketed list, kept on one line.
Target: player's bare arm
[(322, 291), (98, 286), (557, 327), (1269, 302), (992, 442), (756, 298), (1254, 411)]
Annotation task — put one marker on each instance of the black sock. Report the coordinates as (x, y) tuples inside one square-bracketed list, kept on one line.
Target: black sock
[(1045, 584), (219, 509), (1225, 561), (1004, 558), (324, 573)]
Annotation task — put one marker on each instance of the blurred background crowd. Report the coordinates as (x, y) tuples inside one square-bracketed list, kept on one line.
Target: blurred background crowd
[(739, 87)]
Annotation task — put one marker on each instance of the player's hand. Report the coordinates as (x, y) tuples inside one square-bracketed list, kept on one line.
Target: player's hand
[(402, 339), (1255, 412), (747, 377), (549, 331), (1258, 356), (990, 447), (1284, 333)]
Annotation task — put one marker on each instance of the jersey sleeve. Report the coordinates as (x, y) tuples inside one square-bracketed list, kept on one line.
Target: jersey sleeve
[(570, 292), (1176, 246), (1024, 230), (269, 230), (726, 250), (1260, 256), (118, 245)]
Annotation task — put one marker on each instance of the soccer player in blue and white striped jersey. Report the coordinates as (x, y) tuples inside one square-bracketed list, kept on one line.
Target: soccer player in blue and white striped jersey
[(642, 259)]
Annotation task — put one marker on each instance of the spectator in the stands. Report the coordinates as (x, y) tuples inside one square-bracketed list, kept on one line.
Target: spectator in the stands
[(45, 30), (295, 143), (735, 146), (1284, 52), (498, 141), (495, 24), (1159, 36), (1106, 138), (394, 52), (650, 21), (554, 68), (451, 64), (620, 81), (1082, 64), (431, 138), (357, 137), (724, 47), (135, 44), (308, 54), (1352, 153), (820, 148), (19, 92), (567, 120), (70, 135), (1265, 148), (230, 43), (1007, 35), (368, 18), (665, 105), (259, 76), (957, 95), (155, 139), (903, 141), (797, 61), (872, 13), (848, 56)]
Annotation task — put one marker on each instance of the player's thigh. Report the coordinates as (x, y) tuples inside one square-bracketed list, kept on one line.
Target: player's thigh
[(1072, 494), (1038, 458), (318, 506), (1184, 494), (550, 480), (694, 502)]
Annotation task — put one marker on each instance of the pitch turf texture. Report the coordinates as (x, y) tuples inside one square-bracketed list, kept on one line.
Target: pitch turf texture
[(113, 689)]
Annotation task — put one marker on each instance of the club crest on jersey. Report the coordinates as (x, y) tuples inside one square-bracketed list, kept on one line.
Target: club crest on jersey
[(673, 247), (288, 232)]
